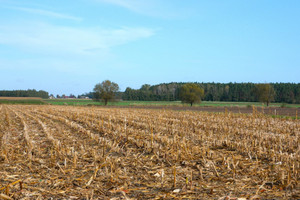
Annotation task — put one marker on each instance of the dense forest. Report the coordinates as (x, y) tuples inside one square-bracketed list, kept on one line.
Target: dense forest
[(24, 93), (243, 92)]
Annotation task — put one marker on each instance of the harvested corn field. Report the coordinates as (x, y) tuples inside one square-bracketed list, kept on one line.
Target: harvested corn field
[(121, 153)]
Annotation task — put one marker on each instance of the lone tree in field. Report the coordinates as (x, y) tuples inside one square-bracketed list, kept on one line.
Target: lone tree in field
[(265, 93), (105, 91), (191, 93)]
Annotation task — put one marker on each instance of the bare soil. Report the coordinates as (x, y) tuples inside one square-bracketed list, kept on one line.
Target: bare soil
[(20, 98)]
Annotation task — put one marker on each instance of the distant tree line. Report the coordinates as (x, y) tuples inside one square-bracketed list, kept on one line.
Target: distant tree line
[(242, 92), (24, 93)]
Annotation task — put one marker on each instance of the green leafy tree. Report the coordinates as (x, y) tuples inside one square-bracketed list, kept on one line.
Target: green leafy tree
[(191, 93), (105, 91), (265, 93)]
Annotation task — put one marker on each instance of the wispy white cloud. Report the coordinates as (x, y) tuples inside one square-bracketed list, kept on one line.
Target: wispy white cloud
[(47, 13), (153, 8), (134, 5), (62, 40)]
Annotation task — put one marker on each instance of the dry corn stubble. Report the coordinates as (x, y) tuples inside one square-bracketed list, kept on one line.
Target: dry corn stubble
[(111, 153)]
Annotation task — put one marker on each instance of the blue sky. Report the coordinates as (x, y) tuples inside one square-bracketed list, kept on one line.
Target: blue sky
[(69, 46)]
